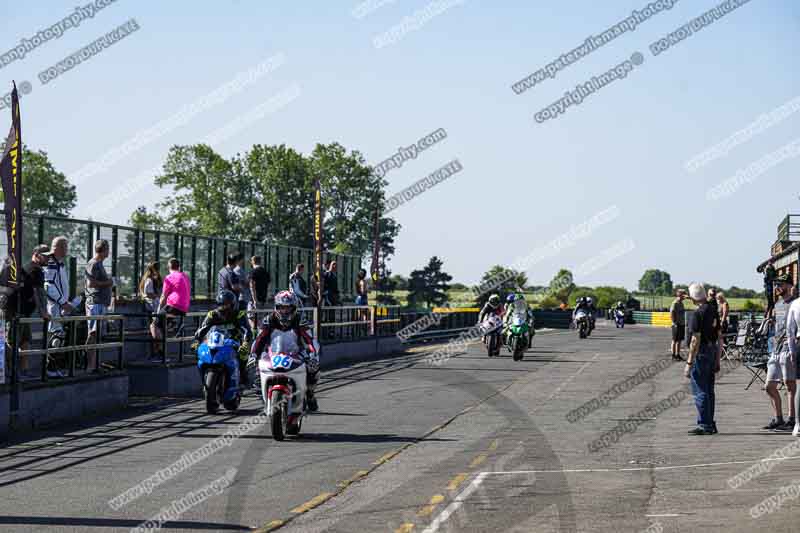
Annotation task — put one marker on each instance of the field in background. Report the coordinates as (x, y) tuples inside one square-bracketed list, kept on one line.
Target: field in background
[(465, 299)]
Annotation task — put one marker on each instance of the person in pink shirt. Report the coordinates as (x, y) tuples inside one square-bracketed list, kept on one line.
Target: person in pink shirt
[(175, 298)]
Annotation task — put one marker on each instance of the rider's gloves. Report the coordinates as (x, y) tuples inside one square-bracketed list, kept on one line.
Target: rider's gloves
[(195, 345), (251, 361)]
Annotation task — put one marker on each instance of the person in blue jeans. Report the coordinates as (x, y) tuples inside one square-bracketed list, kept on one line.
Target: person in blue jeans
[(703, 361)]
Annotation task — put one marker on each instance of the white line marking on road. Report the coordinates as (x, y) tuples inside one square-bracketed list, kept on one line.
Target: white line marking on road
[(638, 469), (661, 515), (453, 507)]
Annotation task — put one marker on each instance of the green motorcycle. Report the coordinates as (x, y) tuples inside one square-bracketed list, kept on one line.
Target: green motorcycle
[(518, 336)]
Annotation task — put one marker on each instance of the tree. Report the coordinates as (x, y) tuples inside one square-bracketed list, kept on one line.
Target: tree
[(46, 190), (400, 282), (144, 219), (562, 286), (429, 285), (205, 189), (268, 193), (607, 297), (656, 281), (503, 282)]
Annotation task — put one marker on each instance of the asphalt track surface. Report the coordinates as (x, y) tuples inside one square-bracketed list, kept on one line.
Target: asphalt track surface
[(473, 445)]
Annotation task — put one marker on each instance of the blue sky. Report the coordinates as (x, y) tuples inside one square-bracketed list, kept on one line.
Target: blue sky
[(523, 183)]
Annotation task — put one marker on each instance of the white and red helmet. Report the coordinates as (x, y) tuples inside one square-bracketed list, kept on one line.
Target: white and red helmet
[(285, 307)]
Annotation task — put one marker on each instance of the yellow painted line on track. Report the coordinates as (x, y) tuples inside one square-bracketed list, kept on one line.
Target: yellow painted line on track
[(313, 502), (355, 477), (272, 526), (405, 528), (431, 507), (478, 460), (456, 481)]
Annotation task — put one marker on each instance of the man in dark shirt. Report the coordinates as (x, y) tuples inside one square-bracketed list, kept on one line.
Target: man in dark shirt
[(703, 360), (33, 298), (259, 281), (331, 285), (227, 280)]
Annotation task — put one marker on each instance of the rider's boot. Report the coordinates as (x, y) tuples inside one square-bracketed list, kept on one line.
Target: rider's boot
[(311, 399)]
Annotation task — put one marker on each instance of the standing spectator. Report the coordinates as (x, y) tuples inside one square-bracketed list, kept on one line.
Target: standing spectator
[(150, 287), (361, 288), (782, 365), (227, 278), (724, 311), (314, 291), (176, 296), (259, 289), (331, 285), (33, 298), (56, 285), (792, 332), (297, 284), (677, 314), (98, 297), (769, 279), (703, 360), (244, 287)]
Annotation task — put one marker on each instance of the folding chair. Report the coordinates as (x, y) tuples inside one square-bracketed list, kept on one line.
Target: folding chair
[(755, 357)]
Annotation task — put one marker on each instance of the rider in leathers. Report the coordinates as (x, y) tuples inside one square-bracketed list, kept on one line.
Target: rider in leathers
[(284, 320), (227, 316)]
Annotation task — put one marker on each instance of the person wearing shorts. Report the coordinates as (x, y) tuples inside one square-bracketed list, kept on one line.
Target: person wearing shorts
[(176, 295), (677, 313), (98, 298), (782, 364)]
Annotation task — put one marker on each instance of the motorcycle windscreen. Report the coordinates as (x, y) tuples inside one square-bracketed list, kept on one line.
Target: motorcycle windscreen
[(284, 342)]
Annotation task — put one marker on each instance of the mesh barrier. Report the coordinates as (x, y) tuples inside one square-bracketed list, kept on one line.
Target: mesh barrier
[(132, 250)]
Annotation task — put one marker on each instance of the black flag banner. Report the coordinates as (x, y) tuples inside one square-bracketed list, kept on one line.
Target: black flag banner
[(11, 176)]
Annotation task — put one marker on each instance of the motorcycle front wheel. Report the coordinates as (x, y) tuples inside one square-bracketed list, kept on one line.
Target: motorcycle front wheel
[(279, 417), (211, 384)]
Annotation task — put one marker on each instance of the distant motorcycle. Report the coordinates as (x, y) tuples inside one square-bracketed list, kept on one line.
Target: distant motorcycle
[(218, 362), (582, 324), (492, 326), (619, 318)]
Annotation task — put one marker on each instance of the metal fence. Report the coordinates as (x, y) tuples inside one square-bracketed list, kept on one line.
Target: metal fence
[(201, 257)]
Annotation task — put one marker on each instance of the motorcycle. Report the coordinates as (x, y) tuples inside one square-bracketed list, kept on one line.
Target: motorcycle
[(582, 324), (218, 362), (619, 318), (283, 385), (518, 337), (491, 326)]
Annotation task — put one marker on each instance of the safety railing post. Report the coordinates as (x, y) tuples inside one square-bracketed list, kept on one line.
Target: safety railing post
[(121, 350), (98, 340), (72, 340), (373, 320), (164, 333), (315, 315)]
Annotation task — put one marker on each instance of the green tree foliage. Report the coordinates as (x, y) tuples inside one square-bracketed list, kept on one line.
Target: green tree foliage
[(144, 219), (46, 191), (503, 280), (656, 281), (548, 302), (752, 306), (401, 282), (429, 286), (608, 297), (561, 286), (268, 193)]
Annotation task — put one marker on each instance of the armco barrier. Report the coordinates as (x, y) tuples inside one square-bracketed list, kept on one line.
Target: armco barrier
[(652, 318)]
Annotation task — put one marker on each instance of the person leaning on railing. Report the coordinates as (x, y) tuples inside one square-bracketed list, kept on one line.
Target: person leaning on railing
[(32, 297), (175, 297), (98, 297), (150, 287), (56, 285)]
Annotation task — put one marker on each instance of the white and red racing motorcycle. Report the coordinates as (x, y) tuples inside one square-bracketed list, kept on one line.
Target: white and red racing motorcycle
[(283, 370)]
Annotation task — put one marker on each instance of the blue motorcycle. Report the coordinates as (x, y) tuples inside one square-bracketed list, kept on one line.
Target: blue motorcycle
[(218, 362)]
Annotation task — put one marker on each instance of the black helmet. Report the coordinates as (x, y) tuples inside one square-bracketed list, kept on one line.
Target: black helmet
[(226, 297)]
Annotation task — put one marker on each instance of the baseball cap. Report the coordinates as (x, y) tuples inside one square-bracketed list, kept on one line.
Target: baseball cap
[(41, 249)]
